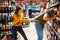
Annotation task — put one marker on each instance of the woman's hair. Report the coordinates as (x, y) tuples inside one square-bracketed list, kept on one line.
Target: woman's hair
[(17, 10)]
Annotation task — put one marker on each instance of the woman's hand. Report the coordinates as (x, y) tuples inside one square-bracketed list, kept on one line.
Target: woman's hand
[(30, 20)]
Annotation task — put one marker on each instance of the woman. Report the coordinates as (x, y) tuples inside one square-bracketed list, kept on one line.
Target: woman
[(18, 18)]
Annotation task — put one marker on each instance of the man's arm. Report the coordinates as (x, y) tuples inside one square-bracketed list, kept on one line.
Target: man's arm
[(46, 17)]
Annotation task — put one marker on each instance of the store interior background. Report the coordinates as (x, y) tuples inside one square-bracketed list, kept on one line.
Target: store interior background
[(7, 8)]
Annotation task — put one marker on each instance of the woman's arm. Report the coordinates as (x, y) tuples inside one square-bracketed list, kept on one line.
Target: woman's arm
[(16, 19)]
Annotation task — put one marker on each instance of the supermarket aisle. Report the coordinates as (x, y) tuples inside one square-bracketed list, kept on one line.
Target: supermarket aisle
[(33, 32), (30, 32)]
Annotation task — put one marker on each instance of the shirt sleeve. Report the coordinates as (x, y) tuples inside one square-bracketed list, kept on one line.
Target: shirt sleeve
[(22, 18), (22, 15), (15, 19)]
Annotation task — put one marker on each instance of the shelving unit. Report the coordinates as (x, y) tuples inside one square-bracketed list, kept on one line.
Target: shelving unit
[(5, 19)]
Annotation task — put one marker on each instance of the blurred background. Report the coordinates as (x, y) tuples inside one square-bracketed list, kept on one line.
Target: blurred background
[(7, 9)]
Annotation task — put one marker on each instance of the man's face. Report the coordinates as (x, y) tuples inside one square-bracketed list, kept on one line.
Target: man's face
[(55, 10), (55, 25), (59, 7), (58, 14)]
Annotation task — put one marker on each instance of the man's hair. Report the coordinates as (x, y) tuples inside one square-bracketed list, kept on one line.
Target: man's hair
[(57, 6), (50, 12)]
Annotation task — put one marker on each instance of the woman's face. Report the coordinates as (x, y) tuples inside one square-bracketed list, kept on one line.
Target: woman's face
[(20, 11)]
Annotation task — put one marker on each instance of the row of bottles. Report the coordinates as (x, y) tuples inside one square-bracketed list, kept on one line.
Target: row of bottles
[(6, 9)]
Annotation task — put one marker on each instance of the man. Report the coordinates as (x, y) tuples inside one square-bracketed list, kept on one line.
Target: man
[(50, 15)]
